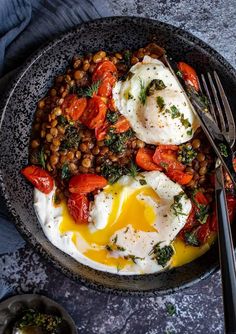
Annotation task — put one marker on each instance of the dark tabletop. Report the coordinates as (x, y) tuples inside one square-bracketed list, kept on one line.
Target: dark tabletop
[(198, 309)]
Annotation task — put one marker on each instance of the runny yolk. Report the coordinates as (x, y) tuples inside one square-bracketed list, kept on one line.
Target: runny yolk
[(186, 253), (130, 211)]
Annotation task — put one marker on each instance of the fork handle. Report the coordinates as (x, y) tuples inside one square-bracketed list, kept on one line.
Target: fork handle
[(227, 257)]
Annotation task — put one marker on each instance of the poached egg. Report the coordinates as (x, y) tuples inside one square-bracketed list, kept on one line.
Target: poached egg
[(154, 103), (127, 221)]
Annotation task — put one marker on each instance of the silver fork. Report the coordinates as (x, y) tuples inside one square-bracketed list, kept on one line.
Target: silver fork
[(221, 113)]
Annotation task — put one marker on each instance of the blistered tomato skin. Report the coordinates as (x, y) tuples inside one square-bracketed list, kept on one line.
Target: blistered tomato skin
[(74, 106), (78, 206), (95, 113), (145, 161), (39, 177), (86, 183), (189, 75)]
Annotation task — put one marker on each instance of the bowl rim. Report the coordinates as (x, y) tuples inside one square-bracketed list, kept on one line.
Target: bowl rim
[(13, 214)]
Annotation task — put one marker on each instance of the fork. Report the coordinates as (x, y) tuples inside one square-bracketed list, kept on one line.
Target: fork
[(221, 113)]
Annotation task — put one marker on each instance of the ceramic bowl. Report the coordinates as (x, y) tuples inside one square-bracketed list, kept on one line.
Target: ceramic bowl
[(11, 308), (32, 83)]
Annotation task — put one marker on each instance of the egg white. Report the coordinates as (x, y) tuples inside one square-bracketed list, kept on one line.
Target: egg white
[(150, 123), (130, 241)]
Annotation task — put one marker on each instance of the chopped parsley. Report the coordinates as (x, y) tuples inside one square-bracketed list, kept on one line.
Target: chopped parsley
[(223, 150), (143, 92), (191, 238), (202, 212), (142, 182), (133, 258), (112, 172), (175, 113), (179, 74), (127, 57), (171, 309), (177, 206), (42, 158), (65, 172), (133, 170), (71, 139), (185, 122), (186, 154), (46, 322), (160, 102), (155, 85), (112, 117), (190, 132), (117, 141), (62, 120), (89, 91), (38, 158), (162, 254)]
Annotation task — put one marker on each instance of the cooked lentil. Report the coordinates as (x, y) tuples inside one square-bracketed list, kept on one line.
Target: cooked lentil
[(88, 155)]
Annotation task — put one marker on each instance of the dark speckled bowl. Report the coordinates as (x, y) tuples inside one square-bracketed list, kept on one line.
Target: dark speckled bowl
[(32, 83)]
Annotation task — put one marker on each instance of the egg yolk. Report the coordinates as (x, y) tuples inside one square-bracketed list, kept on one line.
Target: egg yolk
[(128, 208), (134, 211), (186, 253)]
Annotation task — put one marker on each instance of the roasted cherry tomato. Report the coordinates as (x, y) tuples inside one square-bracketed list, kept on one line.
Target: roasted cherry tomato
[(189, 74), (86, 183), (144, 159), (122, 125), (78, 206), (74, 106), (203, 232), (101, 131), (178, 176), (165, 156), (111, 105), (190, 224), (95, 113), (39, 177), (105, 72), (200, 198), (191, 221), (103, 69), (105, 87)]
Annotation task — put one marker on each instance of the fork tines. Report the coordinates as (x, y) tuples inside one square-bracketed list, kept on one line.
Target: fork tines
[(219, 107)]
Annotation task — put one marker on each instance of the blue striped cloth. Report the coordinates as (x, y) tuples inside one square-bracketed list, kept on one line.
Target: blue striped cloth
[(24, 26)]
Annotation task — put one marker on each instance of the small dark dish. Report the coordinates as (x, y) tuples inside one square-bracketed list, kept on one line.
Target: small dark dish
[(12, 308), (32, 83)]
